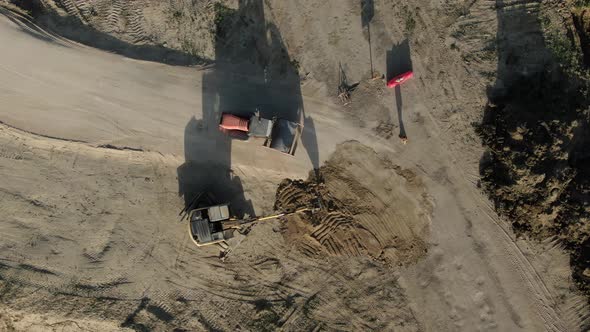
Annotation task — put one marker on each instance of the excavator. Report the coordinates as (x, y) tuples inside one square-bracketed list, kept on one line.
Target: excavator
[(210, 223)]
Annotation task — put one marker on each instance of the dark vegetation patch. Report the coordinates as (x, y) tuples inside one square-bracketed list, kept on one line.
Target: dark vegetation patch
[(536, 129)]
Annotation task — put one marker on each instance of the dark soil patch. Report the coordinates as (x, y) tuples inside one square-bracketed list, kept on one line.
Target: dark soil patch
[(536, 130)]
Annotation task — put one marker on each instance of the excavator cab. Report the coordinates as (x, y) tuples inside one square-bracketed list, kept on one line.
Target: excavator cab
[(206, 224), (208, 221)]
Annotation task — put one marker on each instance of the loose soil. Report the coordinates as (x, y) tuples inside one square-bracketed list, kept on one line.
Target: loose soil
[(370, 207)]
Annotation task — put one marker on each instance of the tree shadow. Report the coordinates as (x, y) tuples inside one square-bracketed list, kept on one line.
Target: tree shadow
[(367, 12), (253, 73), (524, 130), (399, 61)]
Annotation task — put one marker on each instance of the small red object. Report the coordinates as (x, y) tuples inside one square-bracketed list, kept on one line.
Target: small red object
[(399, 79), (232, 122)]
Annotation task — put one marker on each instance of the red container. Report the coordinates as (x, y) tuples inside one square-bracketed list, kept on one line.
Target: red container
[(399, 79), (232, 122)]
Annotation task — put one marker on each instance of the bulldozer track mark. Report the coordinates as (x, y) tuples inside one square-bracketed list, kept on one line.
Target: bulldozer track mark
[(180, 252), (291, 195), (136, 25), (267, 261), (341, 235), (102, 286), (70, 7), (32, 276), (83, 4), (97, 257), (352, 188), (544, 301), (245, 292), (330, 246), (112, 16), (329, 223), (310, 250), (36, 269), (209, 319), (263, 280), (577, 313), (280, 286), (11, 155)]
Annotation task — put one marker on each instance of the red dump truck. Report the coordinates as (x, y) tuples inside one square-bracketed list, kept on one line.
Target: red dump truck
[(276, 133)]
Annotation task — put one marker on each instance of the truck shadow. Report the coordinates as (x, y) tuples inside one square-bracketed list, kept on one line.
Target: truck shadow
[(207, 169), (253, 72), (399, 61)]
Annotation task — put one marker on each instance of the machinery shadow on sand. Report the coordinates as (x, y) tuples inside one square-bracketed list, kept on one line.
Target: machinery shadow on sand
[(253, 73), (398, 61)]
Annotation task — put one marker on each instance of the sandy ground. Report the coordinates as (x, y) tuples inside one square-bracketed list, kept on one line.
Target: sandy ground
[(90, 232), (12, 320)]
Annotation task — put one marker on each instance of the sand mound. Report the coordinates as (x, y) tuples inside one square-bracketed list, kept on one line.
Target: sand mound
[(370, 207)]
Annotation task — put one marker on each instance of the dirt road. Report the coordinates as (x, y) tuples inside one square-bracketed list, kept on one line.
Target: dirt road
[(94, 229), (129, 103)]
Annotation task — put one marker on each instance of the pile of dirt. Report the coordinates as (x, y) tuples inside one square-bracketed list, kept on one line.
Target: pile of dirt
[(369, 207)]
